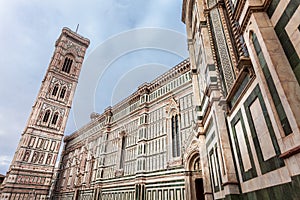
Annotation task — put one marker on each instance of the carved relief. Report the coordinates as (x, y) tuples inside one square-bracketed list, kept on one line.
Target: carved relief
[(119, 172), (71, 47), (194, 146)]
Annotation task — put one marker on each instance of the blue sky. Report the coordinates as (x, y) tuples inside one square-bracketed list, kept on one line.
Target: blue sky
[(29, 30)]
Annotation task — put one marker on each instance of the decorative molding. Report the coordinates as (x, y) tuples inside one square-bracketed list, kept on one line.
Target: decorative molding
[(172, 106)]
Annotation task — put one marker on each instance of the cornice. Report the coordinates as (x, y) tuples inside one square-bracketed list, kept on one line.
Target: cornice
[(69, 33), (250, 9)]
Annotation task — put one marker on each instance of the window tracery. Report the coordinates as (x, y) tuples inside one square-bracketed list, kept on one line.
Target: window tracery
[(46, 116), (67, 65)]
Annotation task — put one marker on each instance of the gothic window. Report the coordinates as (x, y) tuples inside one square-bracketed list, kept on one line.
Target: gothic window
[(101, 173), (175, 137), (62, 93), (55, 90), (46, 116), (122, 157), (54, 119), (67, 65)]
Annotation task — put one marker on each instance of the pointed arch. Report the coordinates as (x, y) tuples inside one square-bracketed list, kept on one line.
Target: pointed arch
[(54, 118), (175, 136), (123, 149), (67, 65), (55, 90), (173, 119), (193, 161), (62, 93), (46, 116)]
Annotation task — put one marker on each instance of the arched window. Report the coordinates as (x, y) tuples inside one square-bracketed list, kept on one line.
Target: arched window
[(67, 65), (122, 157), (54, 119), (55, 90), (175, 137), (46, 116), (62, 93)]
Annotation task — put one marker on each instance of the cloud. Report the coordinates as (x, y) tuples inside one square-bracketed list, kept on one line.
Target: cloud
[(4, 160)]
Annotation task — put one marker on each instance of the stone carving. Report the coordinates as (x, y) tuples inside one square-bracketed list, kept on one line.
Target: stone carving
[(223, 53), (172, 106), (71, 47), (119, 172)]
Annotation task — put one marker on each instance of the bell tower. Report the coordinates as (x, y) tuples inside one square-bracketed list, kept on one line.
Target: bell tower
[(31, 170)]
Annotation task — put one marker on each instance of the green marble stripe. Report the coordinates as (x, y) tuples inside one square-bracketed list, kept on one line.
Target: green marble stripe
[(218, 165), (215, 185), (239, 91), (286, 191), (272, 7), (284, 39), (271, 86), (251, 173), (272, 163)]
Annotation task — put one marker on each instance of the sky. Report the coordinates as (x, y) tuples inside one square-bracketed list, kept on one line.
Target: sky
[(132, 42)]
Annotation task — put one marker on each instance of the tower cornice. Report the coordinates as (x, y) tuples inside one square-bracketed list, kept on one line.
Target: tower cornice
[(75, 36)]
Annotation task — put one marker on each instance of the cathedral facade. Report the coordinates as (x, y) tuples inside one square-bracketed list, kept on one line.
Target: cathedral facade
[(222, 124), (142, 148)]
